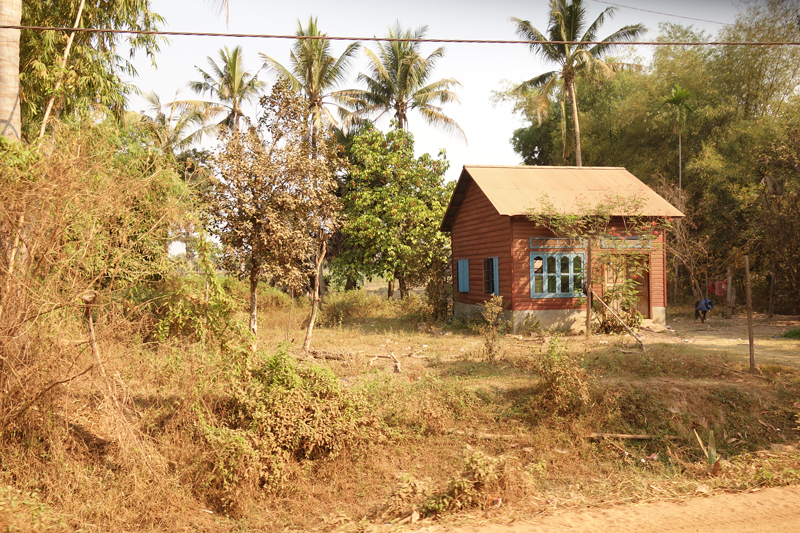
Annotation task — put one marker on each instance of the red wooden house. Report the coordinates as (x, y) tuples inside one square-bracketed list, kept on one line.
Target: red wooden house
[(498, 250)]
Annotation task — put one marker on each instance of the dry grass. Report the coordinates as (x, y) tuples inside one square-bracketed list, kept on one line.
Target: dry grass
[(454, 437)]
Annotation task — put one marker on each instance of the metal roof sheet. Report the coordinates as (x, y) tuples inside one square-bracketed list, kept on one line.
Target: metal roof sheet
[(519, 189)]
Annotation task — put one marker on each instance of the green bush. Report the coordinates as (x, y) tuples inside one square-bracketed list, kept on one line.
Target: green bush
[(792, 333), (278, 413), (341, 307), (564, 387), (493, 326)]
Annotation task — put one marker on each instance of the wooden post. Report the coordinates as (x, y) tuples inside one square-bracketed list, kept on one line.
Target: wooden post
[(771, 292), (749, 295), (588, 288), (729, 303)]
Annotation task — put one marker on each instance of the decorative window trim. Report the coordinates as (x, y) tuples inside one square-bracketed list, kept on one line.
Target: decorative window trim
[(556, 243), (630, 242), (556, 278), (493, 271), (463, 275)]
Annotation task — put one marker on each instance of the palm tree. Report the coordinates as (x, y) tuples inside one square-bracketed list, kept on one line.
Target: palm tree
[(398, 80), (230, 84), (173, 132), (315, 71), (567, 22), (10, 124), (680, 108)]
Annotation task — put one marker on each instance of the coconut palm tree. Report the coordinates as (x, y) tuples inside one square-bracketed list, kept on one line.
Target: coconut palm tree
[(315, 72), (679, 105), (568, 23), (229, 84), (10, 15), (399, 81)]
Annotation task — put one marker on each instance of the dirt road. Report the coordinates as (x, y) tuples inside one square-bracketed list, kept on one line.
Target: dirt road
[(764, 511)]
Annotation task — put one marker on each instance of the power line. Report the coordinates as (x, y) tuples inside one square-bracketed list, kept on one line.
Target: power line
[(389, 39), (660, 13)]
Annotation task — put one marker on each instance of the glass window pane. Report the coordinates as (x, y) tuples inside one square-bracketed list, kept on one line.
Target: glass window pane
[(565, 265), (551, 265), (538, 284), (564, 283), (551, 283), (576, 265), (538, 265), (577, 283)]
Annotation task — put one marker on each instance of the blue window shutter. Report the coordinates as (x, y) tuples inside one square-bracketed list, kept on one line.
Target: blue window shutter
[(463, 275), (496, 275)]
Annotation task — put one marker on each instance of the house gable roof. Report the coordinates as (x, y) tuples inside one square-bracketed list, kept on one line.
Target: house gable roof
[(517, 190)]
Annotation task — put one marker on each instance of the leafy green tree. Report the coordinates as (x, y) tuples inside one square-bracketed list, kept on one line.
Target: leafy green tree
[(229, 84), (91, 77), (568, 23), (393, 207), (399, 81), (315, 71)]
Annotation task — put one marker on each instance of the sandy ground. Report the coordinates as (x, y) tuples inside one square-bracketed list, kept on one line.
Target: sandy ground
[(768, 510), (728, 338)]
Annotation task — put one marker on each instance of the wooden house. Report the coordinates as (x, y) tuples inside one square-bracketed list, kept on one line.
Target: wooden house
[(498, 250)]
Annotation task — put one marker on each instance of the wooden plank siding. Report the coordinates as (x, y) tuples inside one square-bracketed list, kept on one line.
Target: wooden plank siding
[(480, 232)]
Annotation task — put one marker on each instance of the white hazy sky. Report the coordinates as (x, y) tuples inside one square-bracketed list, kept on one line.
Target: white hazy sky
[(480, 68)]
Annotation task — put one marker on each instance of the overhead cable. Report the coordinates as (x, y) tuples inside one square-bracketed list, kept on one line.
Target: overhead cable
[(392, 39), (661, 13)]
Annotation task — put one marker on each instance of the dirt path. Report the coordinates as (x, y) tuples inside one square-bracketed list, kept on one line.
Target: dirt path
[(776, 509), (729, 337)]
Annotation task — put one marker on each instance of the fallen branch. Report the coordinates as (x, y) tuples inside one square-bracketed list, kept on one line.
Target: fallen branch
[(629, 437), (390, 356), (24, 407), (484, 435), (318, 354)]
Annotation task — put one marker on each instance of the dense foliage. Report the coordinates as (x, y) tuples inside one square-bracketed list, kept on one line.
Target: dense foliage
[(393, 206)]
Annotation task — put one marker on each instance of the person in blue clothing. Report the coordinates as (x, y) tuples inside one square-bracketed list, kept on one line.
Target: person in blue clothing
[(701, 308)]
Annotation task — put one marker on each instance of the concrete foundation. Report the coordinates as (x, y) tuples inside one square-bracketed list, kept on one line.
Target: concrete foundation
[(573, 320), (554, 320)]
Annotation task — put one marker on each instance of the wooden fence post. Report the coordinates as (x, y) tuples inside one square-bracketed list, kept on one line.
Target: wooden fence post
[(588, 288), (749, 295), (729, 303)]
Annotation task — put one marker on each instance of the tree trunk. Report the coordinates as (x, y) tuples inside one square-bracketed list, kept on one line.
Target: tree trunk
[(401, 281), (61, 72), (575, 124), (10, 125), (254, 273), (390, 290), (351, 283), (315, 300)]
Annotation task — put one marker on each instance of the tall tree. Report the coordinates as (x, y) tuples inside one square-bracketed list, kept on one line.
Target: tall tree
[(680, 107), (10, 124), (398, 81), (229, 84), (568, 24), (272, 203), (315, 71)]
